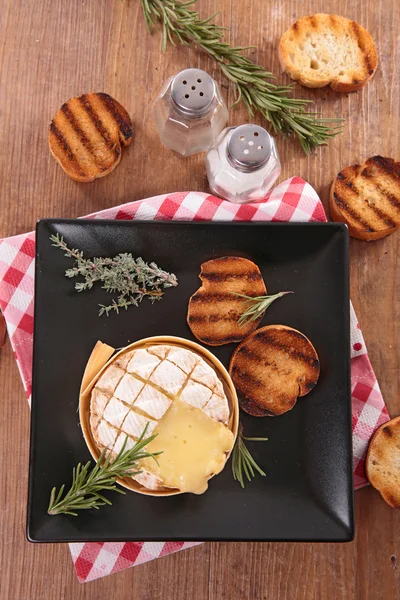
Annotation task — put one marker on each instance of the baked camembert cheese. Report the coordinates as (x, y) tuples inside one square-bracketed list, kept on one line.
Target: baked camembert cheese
[(180, 397)]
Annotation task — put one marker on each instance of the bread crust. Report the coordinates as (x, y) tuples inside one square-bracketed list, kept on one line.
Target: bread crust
[(322, 49), (383, 460), (86, 136), (271, 368), (367, 198)]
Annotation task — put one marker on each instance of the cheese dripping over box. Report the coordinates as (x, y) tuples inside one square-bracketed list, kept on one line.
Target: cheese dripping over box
[(178, 395)]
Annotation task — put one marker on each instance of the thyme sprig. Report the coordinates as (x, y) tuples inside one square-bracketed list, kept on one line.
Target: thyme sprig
[(131, 278), (255, 307), (88, 484), (251, 82), (243, 464)]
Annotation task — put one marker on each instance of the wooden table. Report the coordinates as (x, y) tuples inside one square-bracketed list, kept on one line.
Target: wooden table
[(52, 50)]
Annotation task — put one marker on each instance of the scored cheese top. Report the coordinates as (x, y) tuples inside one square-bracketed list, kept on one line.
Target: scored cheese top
[(139, 387)]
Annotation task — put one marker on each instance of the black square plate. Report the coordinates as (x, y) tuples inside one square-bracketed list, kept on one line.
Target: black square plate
[(308, 491)]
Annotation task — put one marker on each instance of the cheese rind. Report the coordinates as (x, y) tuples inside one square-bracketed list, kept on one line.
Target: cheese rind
[(141, 387)]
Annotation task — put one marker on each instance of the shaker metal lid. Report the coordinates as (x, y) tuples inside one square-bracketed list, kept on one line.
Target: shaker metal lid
[(193, 91), (249, 147)]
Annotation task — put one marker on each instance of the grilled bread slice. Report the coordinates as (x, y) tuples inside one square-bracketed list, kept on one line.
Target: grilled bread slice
[(383, 462), (271, 368), (367, 198), (86, 135), (330, 50), (214, 309)]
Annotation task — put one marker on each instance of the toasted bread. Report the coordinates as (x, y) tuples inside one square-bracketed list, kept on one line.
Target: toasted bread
[(382, 464), (86, 135), (330, 50), (271, 368), (367, 198), (214, 310)]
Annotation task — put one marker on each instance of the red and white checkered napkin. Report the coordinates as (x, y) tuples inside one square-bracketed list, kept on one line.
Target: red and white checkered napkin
[(292, 200)]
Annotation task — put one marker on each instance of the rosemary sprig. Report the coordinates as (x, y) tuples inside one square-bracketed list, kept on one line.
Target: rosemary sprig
[(242, 461), (254, 307), (131, 278), (251, 82), (87, 485)]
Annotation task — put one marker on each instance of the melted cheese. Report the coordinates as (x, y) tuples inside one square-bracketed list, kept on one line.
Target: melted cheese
[(193, 448)]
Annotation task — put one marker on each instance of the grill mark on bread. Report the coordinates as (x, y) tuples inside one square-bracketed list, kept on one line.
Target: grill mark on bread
[(97, 122), (65, 146), (110, 105), (387, 431), (392, 199), (87, 144), (213, 318), (214, 340), (382, 215), (341, 202), (221, 277), (201, 297), (313, 21), (248, 353), (246, 378), (76, 127), (265, 338), (388, 165)]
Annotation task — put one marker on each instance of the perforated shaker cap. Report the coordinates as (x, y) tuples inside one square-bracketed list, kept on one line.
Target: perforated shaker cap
[(249, 147), (193, 91)]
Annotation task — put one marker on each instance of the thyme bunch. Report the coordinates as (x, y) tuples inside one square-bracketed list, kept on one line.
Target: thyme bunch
[(131, 278), (251, 82)]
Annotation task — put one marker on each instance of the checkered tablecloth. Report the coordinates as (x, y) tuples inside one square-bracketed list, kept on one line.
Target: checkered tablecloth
[(292, 200)]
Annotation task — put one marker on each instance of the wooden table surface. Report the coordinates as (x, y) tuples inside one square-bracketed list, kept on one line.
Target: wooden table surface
[(52, 50)]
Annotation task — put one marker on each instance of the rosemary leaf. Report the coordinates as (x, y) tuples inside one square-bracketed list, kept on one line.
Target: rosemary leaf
[(242, 461), (132, 279), (255, 306), (251, 82), (86, 486)]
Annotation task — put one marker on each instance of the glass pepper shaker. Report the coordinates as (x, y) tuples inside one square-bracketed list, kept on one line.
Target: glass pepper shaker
[(189, 112), (243, 164)]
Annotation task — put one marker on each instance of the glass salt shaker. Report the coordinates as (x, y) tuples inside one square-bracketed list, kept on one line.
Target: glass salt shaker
[(243, 164), (189, 112)]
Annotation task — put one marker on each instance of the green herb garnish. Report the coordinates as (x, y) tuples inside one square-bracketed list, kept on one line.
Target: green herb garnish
[(87, 484), (131, 278), (242, 461), (254, 307), (251, 82)]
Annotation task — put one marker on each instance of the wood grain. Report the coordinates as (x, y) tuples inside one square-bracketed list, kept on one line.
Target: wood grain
[(52, 50)]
